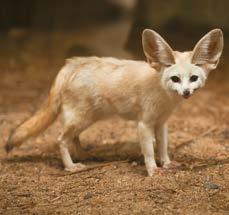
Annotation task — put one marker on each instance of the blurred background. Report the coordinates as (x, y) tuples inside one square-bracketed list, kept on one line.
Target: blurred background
[(36, 36)]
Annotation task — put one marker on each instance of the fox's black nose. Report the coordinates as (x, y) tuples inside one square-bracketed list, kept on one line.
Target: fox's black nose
[(186, 93)]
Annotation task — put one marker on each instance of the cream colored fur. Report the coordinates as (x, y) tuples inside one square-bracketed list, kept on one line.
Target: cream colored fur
[(88, 89)]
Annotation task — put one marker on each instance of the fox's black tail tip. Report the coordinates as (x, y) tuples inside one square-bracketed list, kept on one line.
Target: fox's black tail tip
[(8, 147)]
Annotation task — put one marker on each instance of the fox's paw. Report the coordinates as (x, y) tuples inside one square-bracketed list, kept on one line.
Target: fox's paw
[(151, 170), (76, 167)]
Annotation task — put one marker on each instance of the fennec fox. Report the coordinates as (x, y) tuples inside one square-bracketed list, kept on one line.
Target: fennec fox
[(90, 88)]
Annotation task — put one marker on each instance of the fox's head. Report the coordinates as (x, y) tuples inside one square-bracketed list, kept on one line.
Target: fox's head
[(183, 72)]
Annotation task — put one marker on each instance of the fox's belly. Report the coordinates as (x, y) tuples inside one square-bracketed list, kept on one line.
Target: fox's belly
[(124, 107)]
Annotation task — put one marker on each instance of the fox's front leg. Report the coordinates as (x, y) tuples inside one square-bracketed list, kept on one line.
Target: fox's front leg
[(146, 141), (161, 134)]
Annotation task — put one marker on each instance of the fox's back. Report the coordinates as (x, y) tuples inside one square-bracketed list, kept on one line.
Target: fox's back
[(108, 68), (108, 84), (106, 74)]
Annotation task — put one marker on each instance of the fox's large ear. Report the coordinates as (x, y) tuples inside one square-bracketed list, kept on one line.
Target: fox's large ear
[(156, 49), (208, 50)]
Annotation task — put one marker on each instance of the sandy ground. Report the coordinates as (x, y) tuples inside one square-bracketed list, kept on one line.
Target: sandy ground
[(32, 179)]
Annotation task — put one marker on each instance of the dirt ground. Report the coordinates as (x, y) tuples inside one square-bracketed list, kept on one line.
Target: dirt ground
[(32, 179)]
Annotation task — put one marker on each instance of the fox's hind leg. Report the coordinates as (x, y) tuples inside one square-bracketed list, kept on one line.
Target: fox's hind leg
[(65, 139), (74, 122), (81, 154)]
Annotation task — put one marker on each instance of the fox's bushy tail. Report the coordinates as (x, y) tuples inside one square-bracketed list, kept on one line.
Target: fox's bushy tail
[(42, 118), (33, 126)]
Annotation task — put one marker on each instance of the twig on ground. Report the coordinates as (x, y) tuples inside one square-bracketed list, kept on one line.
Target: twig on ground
[(94, 166), (53, 200)]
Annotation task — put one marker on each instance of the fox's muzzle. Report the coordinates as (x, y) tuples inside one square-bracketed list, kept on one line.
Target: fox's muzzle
[(186, 94)]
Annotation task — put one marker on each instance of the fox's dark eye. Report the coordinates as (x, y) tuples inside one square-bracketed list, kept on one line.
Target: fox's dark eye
[(193, 78), (175, 79)]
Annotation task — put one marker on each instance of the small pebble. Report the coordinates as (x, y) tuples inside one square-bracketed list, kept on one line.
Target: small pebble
[(88, 195), (211, 186)]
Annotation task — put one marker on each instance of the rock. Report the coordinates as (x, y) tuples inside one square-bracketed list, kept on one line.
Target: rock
[(211, 186), (88, 195)]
